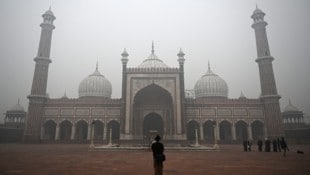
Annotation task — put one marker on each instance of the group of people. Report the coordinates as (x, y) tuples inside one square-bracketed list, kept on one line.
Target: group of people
[(277, 145)]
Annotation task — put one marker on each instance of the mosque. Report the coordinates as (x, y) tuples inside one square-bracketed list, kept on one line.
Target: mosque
[(153, 99)]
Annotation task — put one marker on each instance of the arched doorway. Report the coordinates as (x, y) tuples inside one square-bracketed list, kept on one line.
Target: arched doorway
[(257, 130), (208, 131), (241, 131), (49, 130), (65, 130), (225, 132), (191, 130), (81, 131), (98, 130), (153, 123), (114, 125), (159, 100)]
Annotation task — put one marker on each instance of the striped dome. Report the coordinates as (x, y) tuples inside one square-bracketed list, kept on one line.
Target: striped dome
[(211, 85), (95, 85)]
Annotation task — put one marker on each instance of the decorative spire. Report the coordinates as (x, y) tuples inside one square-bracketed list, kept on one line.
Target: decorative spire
[(152, 47), (289, 101), (242, 95), (209, 72), (209, 68), (124, 54), (180, 54), (256, 6), (50, 9), (97, 65), (18, 101)]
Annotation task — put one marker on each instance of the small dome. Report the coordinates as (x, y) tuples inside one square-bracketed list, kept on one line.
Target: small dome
[(211, 85), (257, 11), (290, 108), (17, 108), (152, 61), (49, 12), (95, 85), (242, 96)]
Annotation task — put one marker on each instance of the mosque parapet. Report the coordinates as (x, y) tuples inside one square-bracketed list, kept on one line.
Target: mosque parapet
[(84, 100), (210, 100), (152, 70)]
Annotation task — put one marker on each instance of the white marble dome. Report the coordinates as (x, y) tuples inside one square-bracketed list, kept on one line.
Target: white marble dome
[(95, 85), (290, 108), (152, 61), (211, 85), (17, 108)]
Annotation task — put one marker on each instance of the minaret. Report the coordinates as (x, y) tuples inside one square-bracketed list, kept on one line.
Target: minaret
[(269, 94), (124, 87), (181, 61), (38, 95)]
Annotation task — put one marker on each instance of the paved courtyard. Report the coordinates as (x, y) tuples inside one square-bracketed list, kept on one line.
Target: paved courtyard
[(71, 159)]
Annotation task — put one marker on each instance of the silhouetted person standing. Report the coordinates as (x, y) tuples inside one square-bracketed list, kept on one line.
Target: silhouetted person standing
[(279, 144), (275, 145), (260, 145), (245, 145), (249, 145), (284, 146), (158, 156), (267, 145)]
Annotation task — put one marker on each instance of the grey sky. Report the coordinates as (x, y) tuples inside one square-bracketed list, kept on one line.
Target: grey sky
[(97, 30)]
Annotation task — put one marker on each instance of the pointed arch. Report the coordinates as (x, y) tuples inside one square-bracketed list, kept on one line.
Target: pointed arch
[(257, 130), (81, 131), (225, 131), (241, 131), (113, 126), (191, 130), (208, 131), (65, 130), (49, 130)]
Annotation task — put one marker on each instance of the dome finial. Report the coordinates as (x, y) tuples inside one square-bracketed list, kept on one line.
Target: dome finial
[(152, 47), (256, 6), (97, 65), (18, 101), (289, 101), (209, 68)]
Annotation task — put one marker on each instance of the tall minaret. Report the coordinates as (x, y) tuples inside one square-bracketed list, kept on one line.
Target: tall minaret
[(269, 94), (38, 95), (181, 61), (124, 87)]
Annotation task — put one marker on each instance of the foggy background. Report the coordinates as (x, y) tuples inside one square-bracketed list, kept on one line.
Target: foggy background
[(220, 31)]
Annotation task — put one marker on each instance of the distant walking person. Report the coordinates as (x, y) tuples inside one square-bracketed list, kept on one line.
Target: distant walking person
[(267, 145), (275, 145), (279, 144), (158, 156), (284, 146), (260, 145), (245, 145)]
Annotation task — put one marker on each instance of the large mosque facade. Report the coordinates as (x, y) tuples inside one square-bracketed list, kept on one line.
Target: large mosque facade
[(153, 99)]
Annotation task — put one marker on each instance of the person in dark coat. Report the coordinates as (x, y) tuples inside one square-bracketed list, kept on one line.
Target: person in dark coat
[(245, 145), (275, 145), (267, 145), (284, 146), (260, 145), (279, 144), (249, 145), (158, 149)]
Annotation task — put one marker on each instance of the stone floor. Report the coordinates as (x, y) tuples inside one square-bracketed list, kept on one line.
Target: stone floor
[(71, 159)]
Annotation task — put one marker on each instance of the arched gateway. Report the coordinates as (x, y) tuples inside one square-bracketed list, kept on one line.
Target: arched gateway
[(153, 123), (153, 111)]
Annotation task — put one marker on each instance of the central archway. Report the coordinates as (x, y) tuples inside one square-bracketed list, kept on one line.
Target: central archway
[(153, 122), (153, 109)]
